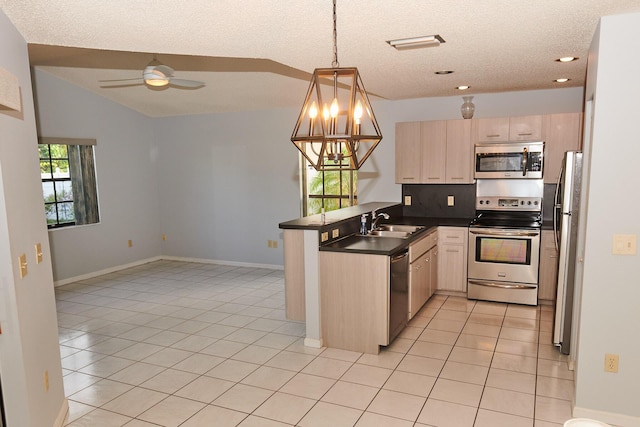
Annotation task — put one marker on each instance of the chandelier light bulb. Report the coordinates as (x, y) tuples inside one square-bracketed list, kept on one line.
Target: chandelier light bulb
[(357, 112), (313, 110), (334, 108)]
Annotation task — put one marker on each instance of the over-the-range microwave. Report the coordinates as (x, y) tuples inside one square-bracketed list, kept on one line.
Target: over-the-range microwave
[(512, 160)]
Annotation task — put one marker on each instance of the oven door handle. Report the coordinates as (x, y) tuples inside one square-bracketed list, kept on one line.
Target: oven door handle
[(524, 162), (502, 285), (506, 233)]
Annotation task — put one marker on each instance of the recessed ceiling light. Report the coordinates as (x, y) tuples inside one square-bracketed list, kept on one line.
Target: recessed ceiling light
[(567, 59), (463, 87), (561, 80), (416, 42), (444, 72)]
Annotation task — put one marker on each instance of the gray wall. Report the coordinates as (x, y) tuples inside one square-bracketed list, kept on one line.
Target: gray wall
[(126, 175), (29, 340), (610, 292)]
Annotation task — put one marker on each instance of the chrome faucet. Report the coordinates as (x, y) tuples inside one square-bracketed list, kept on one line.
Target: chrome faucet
[(375, 217)]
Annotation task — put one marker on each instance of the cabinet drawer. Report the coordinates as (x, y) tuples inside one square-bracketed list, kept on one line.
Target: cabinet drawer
[(421, 246), (452, 235)]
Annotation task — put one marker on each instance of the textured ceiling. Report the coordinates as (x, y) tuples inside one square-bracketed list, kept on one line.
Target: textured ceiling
[(259, 54)]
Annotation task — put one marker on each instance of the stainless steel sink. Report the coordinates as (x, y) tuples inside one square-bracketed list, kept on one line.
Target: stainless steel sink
[(389, 233), (395, 230), (399, 227)]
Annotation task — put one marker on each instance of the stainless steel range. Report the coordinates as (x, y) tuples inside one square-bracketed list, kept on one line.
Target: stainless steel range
[(504, 241)]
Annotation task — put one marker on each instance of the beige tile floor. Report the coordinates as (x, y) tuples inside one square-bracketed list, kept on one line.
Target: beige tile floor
[(184, 344)]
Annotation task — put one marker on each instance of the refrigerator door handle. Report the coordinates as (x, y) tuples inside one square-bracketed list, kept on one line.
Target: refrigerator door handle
[(557, 206)]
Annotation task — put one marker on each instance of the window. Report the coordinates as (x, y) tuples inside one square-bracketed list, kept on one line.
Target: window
[(68, 181), (330, 190)]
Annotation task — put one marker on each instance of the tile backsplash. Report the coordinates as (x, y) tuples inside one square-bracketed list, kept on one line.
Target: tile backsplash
[(430, 200)]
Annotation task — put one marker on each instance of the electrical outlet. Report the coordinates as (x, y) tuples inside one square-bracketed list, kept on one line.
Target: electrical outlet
[(450, 200), (625, 244), (407, 200), (324, 236), (611, 363), (130, 243), (335, 233), (164, 237), (275, 244), (46, 380)]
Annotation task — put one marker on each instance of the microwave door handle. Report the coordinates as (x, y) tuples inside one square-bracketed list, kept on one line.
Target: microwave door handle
[(524, 162)]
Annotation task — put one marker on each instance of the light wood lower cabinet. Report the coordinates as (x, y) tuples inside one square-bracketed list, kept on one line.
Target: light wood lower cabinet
[(452, 259), (354, 300), (294, 281), (548, 277), (422, 271)]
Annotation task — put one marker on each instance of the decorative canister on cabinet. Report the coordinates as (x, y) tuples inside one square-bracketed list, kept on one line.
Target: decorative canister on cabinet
[(468, 107)]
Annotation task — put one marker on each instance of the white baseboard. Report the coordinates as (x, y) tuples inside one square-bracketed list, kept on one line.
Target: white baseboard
[(159, 258), (222, 262), (105, 271), (607, 417), (62, 415)]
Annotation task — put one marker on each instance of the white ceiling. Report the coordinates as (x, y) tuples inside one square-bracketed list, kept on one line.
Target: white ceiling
[(259, 54)]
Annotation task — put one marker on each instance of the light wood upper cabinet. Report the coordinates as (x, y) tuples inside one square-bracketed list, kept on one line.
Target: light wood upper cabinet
[(548, 266), (525, 128), (408, 153), (459, 159), (518, 128), (563, 132), (434, 151), (491, 129)]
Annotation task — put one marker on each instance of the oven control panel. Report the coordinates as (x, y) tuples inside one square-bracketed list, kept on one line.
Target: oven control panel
[(497, 203)]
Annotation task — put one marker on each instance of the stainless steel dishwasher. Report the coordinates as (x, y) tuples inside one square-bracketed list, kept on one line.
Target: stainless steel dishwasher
[(398, 293)]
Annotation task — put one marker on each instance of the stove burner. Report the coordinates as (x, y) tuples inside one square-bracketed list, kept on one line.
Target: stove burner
[(492, 219)]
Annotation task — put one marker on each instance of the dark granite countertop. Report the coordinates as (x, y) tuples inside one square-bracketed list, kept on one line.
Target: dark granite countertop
[(357, 243), (314, 222)]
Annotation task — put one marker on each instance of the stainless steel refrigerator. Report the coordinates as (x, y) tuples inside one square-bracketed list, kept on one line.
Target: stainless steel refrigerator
[(565, 224)]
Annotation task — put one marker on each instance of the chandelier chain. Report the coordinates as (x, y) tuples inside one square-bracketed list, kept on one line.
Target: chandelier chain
[(335, 63)]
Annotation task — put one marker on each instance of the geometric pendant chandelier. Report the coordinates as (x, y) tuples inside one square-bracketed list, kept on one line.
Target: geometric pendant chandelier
[(336, 128)]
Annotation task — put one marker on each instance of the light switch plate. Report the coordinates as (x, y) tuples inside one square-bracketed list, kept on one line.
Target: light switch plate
[(38, 253), (22, 263), (625, 244), (407, 200)]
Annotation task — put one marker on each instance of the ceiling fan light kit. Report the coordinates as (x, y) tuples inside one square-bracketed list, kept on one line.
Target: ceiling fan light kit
[(330, 136)]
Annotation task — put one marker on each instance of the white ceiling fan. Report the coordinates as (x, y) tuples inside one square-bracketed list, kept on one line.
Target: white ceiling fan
[(157, 74)]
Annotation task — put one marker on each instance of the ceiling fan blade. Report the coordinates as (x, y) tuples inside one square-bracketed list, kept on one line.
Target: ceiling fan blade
[(118, 80), (186, 83), (122, 85)]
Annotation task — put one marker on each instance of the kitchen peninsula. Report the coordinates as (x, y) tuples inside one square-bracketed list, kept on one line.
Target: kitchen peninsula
[(337, 281)]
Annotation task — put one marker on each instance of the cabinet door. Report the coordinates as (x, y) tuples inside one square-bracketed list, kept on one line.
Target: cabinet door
[(434, 151), (563, 132), (452, 267), (433, 271), (459, 164), (525, 128), (408, 153), (419, 276), (492, 129), (548, 266)]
